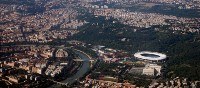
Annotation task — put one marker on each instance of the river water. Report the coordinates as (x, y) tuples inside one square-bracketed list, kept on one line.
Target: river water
[(81, 71)]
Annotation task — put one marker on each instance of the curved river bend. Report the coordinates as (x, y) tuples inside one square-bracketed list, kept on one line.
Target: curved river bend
[(81, 71)]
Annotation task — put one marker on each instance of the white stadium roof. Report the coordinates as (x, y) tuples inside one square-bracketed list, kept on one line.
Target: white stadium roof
[(153, 56)]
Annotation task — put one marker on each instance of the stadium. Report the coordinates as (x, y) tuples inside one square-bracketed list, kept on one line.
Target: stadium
[(150, 56)]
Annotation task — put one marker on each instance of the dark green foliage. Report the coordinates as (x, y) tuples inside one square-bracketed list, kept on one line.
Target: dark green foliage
[(32, 7), (108, 69), (139, 81), (86, 50), (166, 10), (180, 48), (173, 10), (185, 60)]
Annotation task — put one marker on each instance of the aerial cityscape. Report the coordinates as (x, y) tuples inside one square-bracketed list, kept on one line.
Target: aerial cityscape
[(100, 44)]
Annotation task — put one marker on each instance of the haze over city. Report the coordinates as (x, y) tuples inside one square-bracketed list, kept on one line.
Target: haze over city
[(100, 43)]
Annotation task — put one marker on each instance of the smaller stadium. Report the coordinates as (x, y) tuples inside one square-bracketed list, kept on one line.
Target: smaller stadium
[(150, 56)]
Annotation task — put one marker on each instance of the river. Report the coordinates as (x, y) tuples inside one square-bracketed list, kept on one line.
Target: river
[(81, 71)]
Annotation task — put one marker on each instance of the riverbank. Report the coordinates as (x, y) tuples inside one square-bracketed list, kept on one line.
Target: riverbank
[(81, 72)]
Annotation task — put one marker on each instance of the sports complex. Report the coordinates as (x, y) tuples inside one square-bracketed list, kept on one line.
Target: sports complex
[(150, 56)]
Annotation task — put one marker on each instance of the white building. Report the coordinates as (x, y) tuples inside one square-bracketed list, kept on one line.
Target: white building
[(152, 69), (148, 71)]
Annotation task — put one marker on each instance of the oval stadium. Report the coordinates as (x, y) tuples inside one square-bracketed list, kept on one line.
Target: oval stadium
[(150, 56)]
